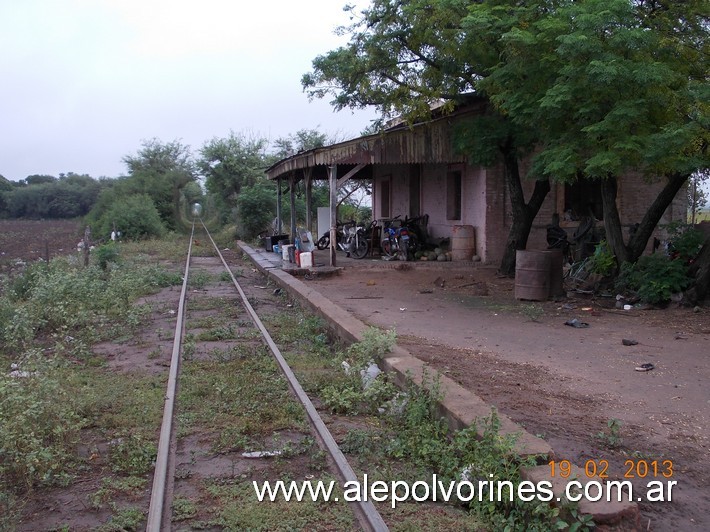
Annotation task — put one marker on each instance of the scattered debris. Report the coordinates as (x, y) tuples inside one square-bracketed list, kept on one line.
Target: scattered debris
[(577, 324), (371, 282), (402, 309), (261, 454), (369, 375), (277, 291), (426, 291), (645, 367), (440, 282), (680, 336), (17, 373), (626, 341)]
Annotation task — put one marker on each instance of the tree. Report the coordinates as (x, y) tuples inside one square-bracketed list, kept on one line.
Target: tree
[(406, 57), (231, 163), (302, 140), (617, 86), (161, 170)]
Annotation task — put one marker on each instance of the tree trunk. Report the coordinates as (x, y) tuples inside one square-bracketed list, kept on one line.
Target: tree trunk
[(637, 243), (612, 220), (701, 269), (523, 213)]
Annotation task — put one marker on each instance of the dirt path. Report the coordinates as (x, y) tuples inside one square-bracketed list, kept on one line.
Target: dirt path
[(561, 382)]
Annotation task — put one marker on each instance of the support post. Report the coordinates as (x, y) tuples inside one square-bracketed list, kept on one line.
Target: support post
[(309, 199), (278, 206), (333, 187), (292, 196)]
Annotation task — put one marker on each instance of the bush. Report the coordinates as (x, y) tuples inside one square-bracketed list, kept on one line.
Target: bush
[(654, 277), (684, 241), (256, 208), (603, 261), (135, 217)]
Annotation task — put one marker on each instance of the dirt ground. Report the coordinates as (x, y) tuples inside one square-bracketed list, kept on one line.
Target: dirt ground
[(563, 383), (26, 240)]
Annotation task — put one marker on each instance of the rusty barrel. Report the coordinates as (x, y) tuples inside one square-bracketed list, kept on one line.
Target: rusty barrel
[(532, 275), (463, 242)]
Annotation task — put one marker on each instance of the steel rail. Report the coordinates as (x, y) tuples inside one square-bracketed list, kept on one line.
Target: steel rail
[(157, 497), (366, 513)]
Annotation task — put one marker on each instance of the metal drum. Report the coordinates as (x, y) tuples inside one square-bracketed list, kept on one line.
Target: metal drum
[(532, 275)]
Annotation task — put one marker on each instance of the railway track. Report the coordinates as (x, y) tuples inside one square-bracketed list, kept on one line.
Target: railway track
[(163, 486)]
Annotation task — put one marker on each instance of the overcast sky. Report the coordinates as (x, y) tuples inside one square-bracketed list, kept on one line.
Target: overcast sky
[(83, 82)]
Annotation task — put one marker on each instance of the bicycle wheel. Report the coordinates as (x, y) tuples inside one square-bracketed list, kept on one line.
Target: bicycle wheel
[(360, 249)]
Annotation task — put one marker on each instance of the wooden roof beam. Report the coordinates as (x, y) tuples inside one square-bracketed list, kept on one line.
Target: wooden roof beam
[(350, 174)]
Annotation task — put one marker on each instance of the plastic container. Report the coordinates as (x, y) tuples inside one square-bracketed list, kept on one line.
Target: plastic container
[(276, 249), (285, 251), (306, 259), (297, 256)]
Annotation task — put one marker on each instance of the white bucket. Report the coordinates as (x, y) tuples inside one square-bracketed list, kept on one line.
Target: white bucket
[(306, 259), (284, 251)]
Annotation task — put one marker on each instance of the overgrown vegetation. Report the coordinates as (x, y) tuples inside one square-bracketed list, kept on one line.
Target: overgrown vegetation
[(654, 278), (50, 315)]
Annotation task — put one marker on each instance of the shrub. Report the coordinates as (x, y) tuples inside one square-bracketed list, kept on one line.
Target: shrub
[(654, 277), (256, 207), (603, 261), (134, 216), (684, 241)]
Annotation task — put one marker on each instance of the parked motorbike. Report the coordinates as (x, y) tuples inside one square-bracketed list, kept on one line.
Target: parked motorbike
[(398, 241), (355, 242), (351, 238), (324, 240)]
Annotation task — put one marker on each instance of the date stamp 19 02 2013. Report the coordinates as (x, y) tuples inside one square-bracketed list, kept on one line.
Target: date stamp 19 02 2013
[(600, 469)]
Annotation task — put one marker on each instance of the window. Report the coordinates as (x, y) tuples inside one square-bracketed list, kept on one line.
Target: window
[(453, 195), (385, 198), (582, 198)]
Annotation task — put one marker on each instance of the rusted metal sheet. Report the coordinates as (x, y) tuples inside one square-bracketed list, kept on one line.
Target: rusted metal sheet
[(429, 142)]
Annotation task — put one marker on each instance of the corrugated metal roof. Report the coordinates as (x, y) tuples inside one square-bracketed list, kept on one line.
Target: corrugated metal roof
[(428, 142)]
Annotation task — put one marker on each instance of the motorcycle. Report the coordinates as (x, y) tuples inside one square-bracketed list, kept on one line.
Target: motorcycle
[(324, 240), (355, 243), (398, 242), (350, 238)]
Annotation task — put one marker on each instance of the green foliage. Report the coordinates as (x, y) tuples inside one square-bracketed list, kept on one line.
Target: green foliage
[(603, 261), (256, 208), (375, 344), (684, 240), (61, 298), (123, 520), (612, 438), (69, 197), (132, 455), (103, 255), (654, 277), (38, 426), (135, 216)]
